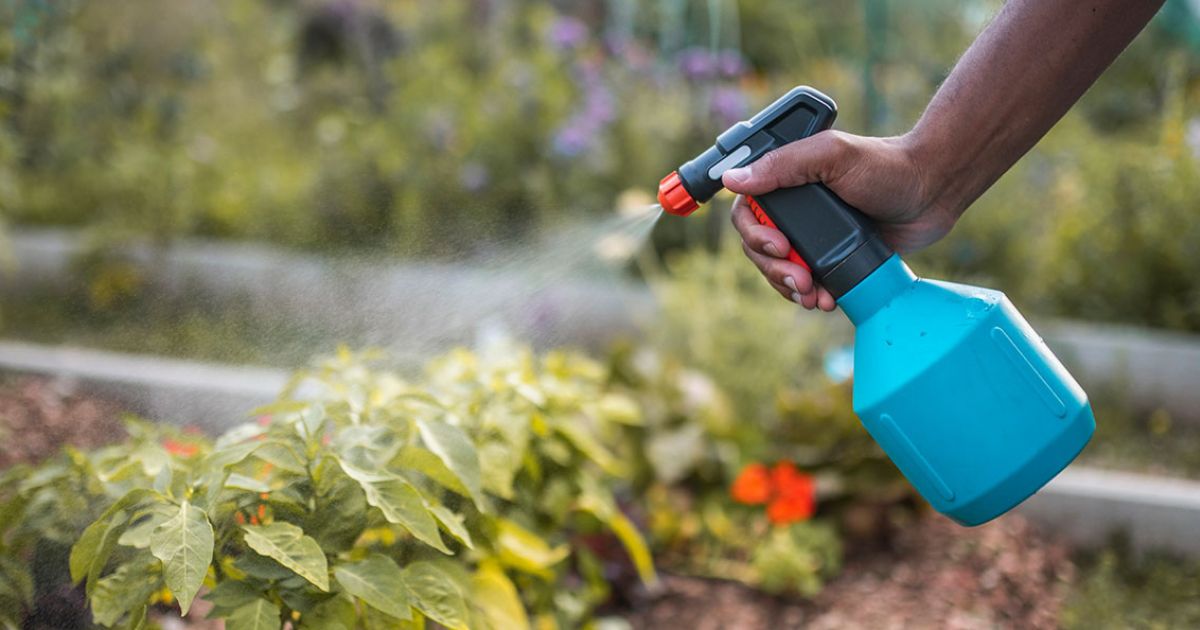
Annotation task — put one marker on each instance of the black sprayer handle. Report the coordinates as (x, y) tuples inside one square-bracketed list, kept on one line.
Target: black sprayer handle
[(834, 240)]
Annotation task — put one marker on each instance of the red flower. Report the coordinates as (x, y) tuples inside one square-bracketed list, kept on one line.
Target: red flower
[(752, 486), (180, 449), (790, 495)]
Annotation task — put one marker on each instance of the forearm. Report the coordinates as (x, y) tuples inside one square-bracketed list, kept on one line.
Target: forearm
[(1021, 75)]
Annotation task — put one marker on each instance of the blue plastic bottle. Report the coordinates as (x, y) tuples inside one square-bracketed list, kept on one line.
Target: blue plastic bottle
[(952, 382), (960, 391)]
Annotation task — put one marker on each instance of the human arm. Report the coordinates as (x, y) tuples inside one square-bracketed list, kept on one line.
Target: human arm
[(1022, 73)]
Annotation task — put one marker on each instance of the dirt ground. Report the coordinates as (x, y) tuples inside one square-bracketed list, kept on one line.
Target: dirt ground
[(38, 416), (937, 575)]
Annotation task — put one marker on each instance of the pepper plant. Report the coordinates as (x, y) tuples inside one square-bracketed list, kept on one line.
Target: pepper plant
[(359, 499)]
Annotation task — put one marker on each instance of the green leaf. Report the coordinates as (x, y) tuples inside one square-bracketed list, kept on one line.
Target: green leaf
[(602, 507), (524, 550), (141, 527), (239, 481), (229, 595), (430, 465), (591, 448), (184, 544), (378, 582), (262, 567), (259, 614), (400, 503), (95, 545), (496, 601), (452, 522), (137, 619), (455, 449), (282, 456), (337, 613), (124, 590), (436, 595), (286, 544), (339, 514), (91, 551)]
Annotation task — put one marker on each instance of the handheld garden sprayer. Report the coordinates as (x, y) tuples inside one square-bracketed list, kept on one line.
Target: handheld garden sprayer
[(950, 379)]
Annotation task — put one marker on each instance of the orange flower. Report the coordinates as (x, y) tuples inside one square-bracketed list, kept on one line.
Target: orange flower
[(752, 486), (784, 510), (790, 495), (181, 449)]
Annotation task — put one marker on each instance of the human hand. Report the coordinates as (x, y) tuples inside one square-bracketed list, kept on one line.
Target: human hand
[(882, 177)]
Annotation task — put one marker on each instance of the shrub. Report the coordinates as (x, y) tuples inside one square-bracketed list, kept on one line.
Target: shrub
[(370, 500)]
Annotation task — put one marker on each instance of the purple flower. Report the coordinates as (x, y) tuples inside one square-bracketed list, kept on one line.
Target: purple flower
[(728, 105), (697, 63), (568, 33), (731, 63), (572, 139), (599, 109)]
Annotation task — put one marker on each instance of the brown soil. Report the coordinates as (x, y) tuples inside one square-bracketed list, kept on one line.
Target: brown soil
[(38, 416), (937, 575)]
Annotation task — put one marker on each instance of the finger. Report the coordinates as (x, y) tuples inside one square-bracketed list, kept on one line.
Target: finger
[(761, 238), (784, 292), (809, 300), (804, 161), (783, 272), (825, 300)]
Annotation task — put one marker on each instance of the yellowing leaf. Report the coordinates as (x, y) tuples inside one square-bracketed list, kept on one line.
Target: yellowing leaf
[(184, 544), (286, 544), (378, 582), (453, 523), (495, 599), (524, 550), (620, 408)]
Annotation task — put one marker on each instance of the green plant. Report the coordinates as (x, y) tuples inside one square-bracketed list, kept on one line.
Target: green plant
[(370, 502), (1115, 589)]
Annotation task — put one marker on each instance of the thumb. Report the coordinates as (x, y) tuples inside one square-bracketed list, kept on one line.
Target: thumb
[(801, 162)]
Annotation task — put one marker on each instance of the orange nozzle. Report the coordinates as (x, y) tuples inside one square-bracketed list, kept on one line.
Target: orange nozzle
[(674, 198)]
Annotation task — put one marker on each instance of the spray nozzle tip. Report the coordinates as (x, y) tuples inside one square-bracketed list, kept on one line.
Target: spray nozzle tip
[(674, 198)]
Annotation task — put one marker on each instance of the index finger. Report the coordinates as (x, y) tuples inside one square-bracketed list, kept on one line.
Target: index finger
[(760, 238)]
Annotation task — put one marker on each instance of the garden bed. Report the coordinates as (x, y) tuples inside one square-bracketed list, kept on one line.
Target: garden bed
[(932, 572)]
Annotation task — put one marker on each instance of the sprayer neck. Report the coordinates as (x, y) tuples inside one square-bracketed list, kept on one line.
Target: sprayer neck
[(876, 290)]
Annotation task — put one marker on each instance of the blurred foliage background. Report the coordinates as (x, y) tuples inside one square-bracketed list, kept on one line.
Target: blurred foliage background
[(416, 128)]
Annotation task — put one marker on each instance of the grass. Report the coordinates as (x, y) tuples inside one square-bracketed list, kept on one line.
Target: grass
[(1142, 441), (1118, 590)]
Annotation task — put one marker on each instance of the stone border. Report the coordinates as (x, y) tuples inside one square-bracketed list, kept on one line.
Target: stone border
[(417, 309), (1085, 505), (1088, 505)]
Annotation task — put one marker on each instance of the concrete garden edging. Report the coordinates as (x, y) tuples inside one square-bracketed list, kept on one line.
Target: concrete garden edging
[(1084, 505)]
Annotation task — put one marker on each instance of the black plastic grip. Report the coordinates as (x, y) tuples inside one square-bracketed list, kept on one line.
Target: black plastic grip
[(838, 243)]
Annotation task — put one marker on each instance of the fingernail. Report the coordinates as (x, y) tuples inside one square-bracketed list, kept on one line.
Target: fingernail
[(772, 250), (791, 284), (739, 175), (795, 297)]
